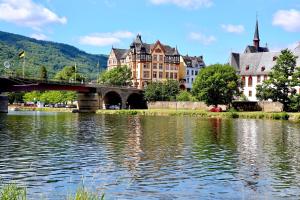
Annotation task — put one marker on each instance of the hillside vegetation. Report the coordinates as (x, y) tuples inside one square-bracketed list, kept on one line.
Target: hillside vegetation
[(54, 56)]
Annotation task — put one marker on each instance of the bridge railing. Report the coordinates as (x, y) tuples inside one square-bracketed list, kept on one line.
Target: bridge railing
[(21, 80)]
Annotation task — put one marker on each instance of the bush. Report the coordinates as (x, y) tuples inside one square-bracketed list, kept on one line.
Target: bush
[(12, 192), (185, 96)]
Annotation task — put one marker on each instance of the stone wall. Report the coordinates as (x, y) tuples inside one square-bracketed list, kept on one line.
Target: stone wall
[(268, 106), (180, 105), (264, 106)]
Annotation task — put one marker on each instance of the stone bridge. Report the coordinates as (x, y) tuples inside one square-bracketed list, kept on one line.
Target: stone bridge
[(91, 97)]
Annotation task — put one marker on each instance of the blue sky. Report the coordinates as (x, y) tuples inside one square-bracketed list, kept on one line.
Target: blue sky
[(212, 28)]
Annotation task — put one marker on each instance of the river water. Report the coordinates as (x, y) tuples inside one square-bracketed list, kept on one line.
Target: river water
[(52, 154)]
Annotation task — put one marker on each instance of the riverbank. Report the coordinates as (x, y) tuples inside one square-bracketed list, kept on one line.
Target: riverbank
[(205, 114), (45, 109)]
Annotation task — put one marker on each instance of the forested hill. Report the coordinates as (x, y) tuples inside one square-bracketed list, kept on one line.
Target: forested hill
[(54, 56)]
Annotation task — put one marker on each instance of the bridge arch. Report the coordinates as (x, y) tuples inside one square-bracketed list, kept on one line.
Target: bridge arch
[(112, 100), (136, 101)]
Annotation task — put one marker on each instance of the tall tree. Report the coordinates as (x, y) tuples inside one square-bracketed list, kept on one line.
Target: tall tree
[(282, 80), (216, 84), (119, 76), (43, 73)]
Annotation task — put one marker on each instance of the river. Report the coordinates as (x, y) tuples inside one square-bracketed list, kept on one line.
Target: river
[(132, 157)]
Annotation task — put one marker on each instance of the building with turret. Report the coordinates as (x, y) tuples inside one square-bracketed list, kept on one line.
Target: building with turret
[(148, 62), (255, 64)]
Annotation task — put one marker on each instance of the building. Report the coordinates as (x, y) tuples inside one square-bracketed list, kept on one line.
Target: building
[(148, 62), (255, 64), (192, 67)]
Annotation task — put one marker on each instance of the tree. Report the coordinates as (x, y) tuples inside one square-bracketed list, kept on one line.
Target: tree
[(282, 80), (185, 96), (43, 73), (216, 84), (69, 73), (119, 76), (32, 96), (162, 91)]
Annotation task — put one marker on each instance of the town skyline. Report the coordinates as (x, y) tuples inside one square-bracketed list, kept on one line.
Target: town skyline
[(193, 26)]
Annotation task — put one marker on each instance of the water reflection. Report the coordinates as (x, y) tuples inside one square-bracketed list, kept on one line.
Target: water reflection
[(150, 157)]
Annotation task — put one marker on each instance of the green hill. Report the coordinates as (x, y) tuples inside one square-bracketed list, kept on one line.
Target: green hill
[(54, 56)]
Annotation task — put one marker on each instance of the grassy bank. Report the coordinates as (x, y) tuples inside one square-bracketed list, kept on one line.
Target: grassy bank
[(46, 109), (14, 192), (205, 114)]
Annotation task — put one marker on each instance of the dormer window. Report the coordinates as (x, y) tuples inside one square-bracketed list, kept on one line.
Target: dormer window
[(247, 67), (263, 68)]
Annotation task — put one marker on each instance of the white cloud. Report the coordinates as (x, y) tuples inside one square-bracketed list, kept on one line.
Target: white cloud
[(203, 39), (289, 20), (233, 28), (191, 4), (27, 13), (105, 39), (39, 36)]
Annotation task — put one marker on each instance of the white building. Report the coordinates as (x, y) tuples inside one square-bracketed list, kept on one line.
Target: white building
[(255, 64), (192, 65)]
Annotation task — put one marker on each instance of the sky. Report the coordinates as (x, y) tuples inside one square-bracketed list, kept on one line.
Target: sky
[(211, 28)]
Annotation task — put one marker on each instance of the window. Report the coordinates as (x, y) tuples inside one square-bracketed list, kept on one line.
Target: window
[(146, 66), (188, 80), (258, 79), (175, 75), (160, 66), (154, 66), (161, 58), (250, 81), (155, 58), (192, 72), (247, 67), (196, 72), (154, 74), (187, 72), (167, 74), (160, 74), (274, 58), (146, 74), (167, 67), (265, 77), (171, 75), (192, 80), (250, 93), (243, 81), (263, 68)]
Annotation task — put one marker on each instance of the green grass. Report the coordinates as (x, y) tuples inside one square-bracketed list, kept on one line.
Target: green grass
[(205, 114), (84, 194), (12, 192)]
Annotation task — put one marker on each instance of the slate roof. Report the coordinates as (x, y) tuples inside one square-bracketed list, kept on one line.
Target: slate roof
[(188, 60), (252, 49), (120, 53), (140, 47), (257, 63)]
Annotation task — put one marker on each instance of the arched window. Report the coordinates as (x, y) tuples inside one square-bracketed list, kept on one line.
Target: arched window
[(250, 81), (243, 81)]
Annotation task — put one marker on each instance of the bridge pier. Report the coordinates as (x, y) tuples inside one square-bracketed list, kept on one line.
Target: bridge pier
[(88, 102), (3, 104)]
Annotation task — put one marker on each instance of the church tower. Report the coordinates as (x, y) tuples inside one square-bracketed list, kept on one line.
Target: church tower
[(256, 39)]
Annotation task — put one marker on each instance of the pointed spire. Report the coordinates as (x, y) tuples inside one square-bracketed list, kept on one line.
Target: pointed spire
[(256, 34), (256, 38)]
